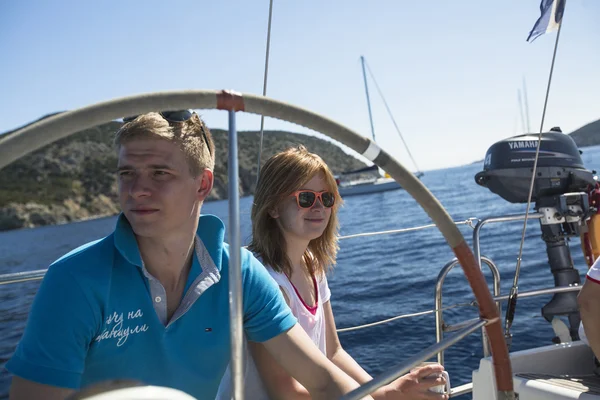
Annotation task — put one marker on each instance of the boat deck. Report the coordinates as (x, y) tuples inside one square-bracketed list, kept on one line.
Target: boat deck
[(589, 384), (554, 372)]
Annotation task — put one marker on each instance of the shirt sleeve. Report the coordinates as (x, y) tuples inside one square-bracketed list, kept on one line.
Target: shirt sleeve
[(593, 273), (324, 291), (59, 330), (266, 314)]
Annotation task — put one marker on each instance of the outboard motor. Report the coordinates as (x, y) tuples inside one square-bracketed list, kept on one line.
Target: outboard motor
[(560, 193)]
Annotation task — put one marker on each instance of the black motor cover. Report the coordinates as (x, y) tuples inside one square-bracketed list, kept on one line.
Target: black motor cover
[(508, 166)]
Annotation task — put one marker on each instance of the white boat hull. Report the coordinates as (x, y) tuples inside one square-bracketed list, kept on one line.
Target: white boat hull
[(380, 185)]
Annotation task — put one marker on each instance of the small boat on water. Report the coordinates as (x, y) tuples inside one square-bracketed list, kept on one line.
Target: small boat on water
[(364, 186), (369, 180), (366, 180)]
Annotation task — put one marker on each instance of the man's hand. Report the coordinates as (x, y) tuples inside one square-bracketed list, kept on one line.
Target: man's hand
[(416, 384)]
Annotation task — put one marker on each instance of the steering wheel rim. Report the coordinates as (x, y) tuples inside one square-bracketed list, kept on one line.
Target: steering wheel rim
[(46, 131)]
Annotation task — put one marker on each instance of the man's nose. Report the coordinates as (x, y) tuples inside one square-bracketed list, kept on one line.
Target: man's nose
[(139, 186)]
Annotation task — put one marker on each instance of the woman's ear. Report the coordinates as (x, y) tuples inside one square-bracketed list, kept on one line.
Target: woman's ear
[(274, 213)]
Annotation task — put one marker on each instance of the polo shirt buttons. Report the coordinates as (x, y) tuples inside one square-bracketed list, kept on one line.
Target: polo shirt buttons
[(158, 299)]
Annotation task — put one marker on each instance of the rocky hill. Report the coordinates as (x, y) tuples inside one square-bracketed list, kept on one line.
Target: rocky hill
[(587, 135), (74, 178)]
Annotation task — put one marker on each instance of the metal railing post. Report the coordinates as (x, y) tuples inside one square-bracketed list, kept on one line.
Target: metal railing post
[(235, 272)]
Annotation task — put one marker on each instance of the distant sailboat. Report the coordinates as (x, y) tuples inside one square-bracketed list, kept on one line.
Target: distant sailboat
[(365, 180), (369, 179)]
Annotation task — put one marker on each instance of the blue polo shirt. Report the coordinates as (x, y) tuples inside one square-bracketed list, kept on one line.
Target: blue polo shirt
[(100, 315)]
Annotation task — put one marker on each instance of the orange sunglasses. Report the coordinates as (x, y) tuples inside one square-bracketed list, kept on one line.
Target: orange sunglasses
[(307, 198)]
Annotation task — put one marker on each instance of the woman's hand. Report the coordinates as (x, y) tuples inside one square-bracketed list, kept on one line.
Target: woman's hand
[(416, 384)]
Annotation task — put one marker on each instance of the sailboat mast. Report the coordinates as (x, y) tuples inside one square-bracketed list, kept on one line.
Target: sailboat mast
[(387, 107), (523, 125), (526, 105), (362, 61)]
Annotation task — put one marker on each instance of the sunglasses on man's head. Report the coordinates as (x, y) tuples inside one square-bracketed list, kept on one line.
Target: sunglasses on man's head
[(171, 116), (175, 117), (307, 198)]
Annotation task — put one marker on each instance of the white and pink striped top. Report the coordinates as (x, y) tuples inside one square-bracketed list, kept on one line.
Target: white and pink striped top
[(311, 319)]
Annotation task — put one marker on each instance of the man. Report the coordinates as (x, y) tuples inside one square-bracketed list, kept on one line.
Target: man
[(150, 301), (589, 308)]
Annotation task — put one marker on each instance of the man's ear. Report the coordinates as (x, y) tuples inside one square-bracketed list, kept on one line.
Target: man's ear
[(206, 180)]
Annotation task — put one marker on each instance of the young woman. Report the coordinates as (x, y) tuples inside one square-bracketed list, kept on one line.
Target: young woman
[(294, 234)]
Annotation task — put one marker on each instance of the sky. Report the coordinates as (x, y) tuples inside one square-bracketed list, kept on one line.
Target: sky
[(449, 70)]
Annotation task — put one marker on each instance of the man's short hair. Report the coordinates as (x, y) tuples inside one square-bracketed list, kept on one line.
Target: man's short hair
[(189, 135)]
